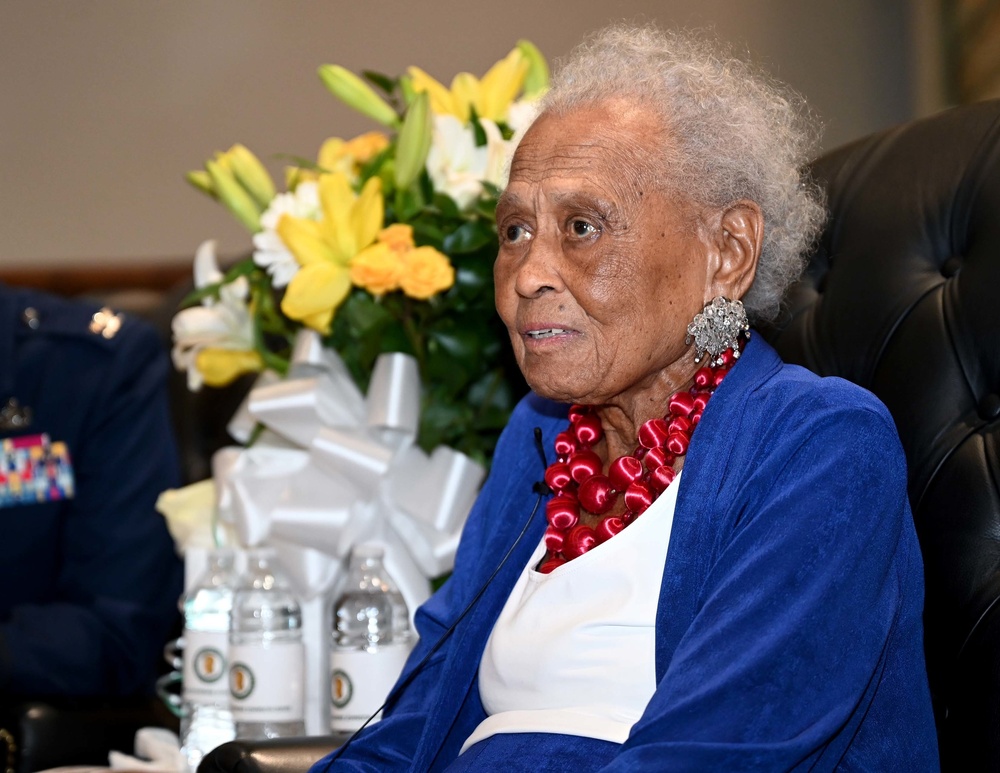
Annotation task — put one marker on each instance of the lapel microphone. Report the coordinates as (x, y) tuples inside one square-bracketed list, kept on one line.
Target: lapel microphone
[(541, 489)]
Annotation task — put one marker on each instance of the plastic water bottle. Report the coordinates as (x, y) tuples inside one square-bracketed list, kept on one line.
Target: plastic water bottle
[(266, 654), (206, 721), (371, 640)]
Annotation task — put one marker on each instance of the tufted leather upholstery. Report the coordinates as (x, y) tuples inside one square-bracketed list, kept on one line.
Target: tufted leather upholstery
[(902, 296)]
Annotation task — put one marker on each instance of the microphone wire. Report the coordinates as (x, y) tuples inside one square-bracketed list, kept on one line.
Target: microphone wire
[(541, 489)]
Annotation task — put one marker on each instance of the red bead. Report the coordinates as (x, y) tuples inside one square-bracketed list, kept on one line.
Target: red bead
[(681, 404), (565, 444), (608, 528), (679, 424), (642, 476), (662, 477), (638, 496), (557, 476), (595, 494), (554, 539), (588, 430), (652, 433), (623, 471), (656, 457), (579, 540), (584, 464), (677, 443), (562, 512)]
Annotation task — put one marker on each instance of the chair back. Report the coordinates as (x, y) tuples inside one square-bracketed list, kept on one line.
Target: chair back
[(902, 296)]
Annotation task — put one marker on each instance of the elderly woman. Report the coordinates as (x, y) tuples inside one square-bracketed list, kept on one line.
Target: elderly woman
[(726, 576)]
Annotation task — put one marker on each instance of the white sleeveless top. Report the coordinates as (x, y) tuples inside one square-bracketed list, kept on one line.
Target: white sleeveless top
[(574, 651)]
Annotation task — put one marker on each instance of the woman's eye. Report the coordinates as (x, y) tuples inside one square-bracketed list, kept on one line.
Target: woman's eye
[(515, 233), (582, 228)]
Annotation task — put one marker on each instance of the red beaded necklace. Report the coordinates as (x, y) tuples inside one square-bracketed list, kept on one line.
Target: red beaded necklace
[(578, 480)]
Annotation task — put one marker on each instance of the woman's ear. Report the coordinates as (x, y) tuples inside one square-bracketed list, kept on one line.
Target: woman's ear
[(738, 238)]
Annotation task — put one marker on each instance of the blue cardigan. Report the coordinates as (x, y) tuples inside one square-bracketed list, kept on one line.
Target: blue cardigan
[(789, 631)]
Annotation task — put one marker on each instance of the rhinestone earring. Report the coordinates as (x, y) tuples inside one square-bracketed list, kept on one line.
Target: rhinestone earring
[(718, 328)]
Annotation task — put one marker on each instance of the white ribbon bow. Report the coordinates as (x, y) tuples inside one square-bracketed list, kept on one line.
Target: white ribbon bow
[(333, 469)]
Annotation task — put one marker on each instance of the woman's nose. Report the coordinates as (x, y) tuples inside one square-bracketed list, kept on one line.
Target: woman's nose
[(538, 270)]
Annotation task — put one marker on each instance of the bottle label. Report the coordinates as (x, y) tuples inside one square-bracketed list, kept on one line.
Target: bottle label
[(205, 667), (266, 683), (360, 682)]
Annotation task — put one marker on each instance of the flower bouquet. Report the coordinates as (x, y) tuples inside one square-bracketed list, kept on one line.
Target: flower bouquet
[(384, 244), (367, 306)]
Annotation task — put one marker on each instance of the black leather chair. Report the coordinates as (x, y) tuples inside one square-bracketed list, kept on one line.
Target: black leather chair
[(902, 296)]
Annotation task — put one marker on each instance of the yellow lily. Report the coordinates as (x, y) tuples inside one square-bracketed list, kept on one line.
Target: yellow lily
[(491, 96), (219, 367), (337, 155), (325, 248)]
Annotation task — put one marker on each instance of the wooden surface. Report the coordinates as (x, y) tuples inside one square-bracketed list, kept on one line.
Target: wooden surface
[(84, 280)]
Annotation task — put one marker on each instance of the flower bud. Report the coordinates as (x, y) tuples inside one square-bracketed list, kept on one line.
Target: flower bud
[(414, 141), (251, 174), (355, 93), (201, 180), (536, 82), (234, 195)]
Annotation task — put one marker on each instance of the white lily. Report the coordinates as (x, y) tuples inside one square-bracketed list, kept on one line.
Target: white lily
[(223, 324), (457, 167), (271, 252)]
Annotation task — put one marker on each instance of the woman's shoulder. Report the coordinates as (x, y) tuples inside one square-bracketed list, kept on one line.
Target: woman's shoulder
[(774, 390)]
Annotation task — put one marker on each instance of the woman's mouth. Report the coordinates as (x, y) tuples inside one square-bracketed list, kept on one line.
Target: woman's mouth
[(548, 332)]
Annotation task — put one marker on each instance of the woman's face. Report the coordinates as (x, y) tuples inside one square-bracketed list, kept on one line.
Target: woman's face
[(599, 271)]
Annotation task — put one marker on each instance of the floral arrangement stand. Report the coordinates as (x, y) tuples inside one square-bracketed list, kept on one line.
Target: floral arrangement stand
[(367, 308)]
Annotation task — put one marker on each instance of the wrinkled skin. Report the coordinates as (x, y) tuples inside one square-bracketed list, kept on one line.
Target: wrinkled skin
[(616, 265)]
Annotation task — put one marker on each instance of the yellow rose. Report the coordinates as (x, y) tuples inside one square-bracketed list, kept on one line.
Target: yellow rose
[(426, 272), (365, 147), (377, 269), (221, 366), (398, 237)]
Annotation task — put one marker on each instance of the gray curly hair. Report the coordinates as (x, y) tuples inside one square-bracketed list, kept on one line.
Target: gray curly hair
[(735, 134)]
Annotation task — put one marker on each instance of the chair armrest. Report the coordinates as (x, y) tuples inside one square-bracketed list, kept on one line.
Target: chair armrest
[(57, 732), (274, 755)]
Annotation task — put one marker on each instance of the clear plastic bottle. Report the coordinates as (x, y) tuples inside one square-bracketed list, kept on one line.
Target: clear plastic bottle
[(266, 654), (206, 721), (370, 641)]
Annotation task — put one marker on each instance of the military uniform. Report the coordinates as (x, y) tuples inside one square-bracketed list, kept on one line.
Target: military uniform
[(89, 579)]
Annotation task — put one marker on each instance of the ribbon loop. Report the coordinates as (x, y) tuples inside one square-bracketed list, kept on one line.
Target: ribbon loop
[(334, 468)]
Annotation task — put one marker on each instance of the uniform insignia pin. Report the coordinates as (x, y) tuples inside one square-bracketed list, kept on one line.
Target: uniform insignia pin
[(106, 323), (14, 416)]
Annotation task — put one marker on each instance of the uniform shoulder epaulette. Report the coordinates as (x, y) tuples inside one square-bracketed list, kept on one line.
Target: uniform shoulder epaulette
[(51, 315)]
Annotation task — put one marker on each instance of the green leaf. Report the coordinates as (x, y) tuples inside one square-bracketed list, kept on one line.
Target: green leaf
[(468, 237), (384, 82), (477, 128), (446, 206), (199, 294), (408, 204)]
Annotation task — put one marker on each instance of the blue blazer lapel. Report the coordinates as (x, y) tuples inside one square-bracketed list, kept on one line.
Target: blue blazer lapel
[(454, 716)]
